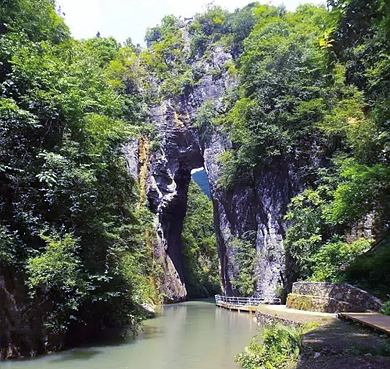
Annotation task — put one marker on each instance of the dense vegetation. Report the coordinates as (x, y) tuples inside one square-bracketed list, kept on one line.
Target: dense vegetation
[(277, 347), (339, 228), (71, 227), (311, 96), (201, 265)]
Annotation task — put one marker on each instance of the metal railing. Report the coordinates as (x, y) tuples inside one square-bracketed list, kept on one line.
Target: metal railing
[(245, 301)]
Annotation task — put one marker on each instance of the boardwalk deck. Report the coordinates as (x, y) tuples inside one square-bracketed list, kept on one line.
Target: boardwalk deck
[(239, 304), (376, 321), (239, 308)]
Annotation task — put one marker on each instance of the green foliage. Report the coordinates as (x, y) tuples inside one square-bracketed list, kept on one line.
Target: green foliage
[(9, 247), (316, 243), (169, 25), (370, 269), (218, 25), (36, 19), (105, 49), (282, 92), (240, 24), (70, 219), (206, 29), (307, 229), (58, 267), (204, 121), (244, 261), (211, 22), (165, 59), (277, 347), (333, 258), (385, 309), (200, 245), (364, 190), (57, 272)]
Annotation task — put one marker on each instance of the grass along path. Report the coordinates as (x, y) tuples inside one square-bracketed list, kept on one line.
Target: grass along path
[(332, 343)]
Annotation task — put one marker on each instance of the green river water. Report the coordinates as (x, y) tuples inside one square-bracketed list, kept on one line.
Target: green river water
[(190, 335)]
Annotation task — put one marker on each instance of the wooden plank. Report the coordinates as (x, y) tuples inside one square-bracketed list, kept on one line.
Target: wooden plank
[(373, 320)]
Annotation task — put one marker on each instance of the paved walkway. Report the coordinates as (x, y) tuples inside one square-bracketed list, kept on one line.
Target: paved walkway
[(284, 313), (374, 320)]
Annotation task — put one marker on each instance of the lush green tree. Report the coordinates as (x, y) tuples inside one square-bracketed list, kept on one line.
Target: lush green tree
[(71, 224), (325, 239), (244, 262), (165, 59), (282, 94), (37, 20), (240, 25)]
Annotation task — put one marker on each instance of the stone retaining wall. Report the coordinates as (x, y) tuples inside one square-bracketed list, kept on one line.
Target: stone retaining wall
[(264, 320), (331, 298)]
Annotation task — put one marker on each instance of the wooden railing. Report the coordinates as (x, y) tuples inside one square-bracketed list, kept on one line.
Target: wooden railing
[(245, 301)]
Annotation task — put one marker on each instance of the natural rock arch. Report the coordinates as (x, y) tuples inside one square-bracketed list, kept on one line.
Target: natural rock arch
[(257, 207)]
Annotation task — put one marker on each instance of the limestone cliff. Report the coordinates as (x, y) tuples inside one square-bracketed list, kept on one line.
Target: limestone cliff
[(257, 207), (166, 184)]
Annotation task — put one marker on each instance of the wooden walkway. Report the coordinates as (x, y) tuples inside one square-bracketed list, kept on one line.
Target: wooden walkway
[(376, 321), (247, 304), (239, 308)]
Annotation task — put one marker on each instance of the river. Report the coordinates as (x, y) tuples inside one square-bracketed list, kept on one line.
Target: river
[(190, 335)]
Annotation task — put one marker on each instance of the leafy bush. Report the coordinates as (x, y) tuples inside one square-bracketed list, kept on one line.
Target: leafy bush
[(385, 309), (277, 346), (58, 273), (370, 270), (334, 258), (204, 121)]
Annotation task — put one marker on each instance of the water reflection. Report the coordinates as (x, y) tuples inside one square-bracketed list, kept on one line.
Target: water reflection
[(192, 335), (79, 354)]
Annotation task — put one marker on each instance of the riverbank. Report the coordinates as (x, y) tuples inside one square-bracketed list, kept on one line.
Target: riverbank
[(331, 343), (192, 334)]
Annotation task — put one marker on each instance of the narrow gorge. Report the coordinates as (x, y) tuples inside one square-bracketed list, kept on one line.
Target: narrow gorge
[(255, 207), (286, 111)]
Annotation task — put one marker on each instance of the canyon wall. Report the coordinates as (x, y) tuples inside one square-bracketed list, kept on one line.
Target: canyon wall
[(257, 207)]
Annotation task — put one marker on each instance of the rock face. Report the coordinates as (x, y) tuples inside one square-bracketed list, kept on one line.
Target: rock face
[(331, 298), (166, 184), (21, 332), (256, 206)]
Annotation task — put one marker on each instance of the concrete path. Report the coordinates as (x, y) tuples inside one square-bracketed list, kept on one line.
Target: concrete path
[(283, 313)]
